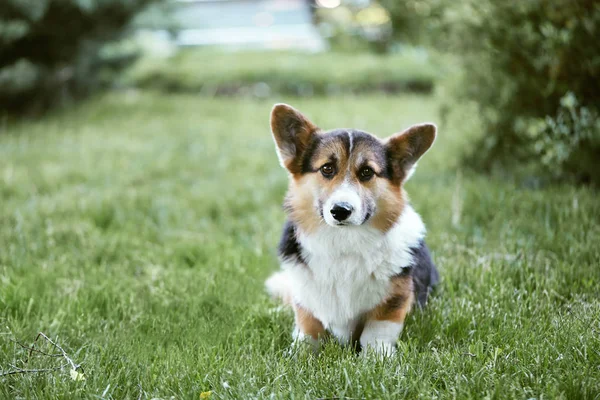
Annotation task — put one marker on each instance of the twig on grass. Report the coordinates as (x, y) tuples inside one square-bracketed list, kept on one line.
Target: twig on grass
[(17, 370), (336, 398), (33, 349), (76, 369), (64, 353)]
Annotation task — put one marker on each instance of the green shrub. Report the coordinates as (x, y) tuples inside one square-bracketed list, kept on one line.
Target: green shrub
[(355, 26), (416, 21), (261, 74), (520, 59), (568, 143), (50, 50)]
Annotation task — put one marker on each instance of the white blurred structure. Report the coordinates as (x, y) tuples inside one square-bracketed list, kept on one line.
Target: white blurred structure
[(264, 24)]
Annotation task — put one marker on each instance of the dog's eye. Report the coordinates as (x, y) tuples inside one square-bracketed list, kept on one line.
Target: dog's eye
[(327, 170), (366, 173)]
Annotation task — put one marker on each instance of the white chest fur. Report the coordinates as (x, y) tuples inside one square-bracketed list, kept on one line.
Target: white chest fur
[(349, 269)]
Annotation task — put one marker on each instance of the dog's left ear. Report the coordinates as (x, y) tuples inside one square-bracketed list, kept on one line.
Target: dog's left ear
[(292, 133), (404, 149)]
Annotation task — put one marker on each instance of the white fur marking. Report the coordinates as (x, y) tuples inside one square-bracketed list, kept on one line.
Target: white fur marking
[(343, 333), (346, 193), (380, 337), (300, 338), (410, 172), (351, 143), (278, 285), (349, 268)]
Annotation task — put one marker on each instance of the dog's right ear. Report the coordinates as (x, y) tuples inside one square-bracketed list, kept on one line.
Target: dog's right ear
[(292, 132)]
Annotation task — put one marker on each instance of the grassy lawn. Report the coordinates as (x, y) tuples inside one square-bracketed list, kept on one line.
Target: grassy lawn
[(137, 231)]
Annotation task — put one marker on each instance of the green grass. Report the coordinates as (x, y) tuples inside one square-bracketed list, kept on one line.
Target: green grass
[(259, 74), (137, 230)]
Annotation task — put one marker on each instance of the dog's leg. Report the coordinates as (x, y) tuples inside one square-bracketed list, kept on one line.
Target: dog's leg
[(384, 324), (308, 328), (344, 333)]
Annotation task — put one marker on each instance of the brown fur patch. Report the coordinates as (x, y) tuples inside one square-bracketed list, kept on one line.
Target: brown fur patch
[(292, 132), (300, 202), (407, 147), (390, 203), (328, 151), (308, 324), (398, 304)]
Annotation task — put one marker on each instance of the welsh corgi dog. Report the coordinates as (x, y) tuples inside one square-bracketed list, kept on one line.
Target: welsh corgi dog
[(353, 254)]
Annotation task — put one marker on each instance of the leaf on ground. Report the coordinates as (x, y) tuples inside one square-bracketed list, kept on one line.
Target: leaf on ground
[(77, 376)]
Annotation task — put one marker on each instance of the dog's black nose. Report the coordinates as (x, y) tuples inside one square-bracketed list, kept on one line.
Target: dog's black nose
[(341, 211)]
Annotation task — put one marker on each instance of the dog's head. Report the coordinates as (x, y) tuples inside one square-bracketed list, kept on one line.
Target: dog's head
[(345, 177)]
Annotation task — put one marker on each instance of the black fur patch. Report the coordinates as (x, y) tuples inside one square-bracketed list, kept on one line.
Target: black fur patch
[(359, 138), (289, 248), (424, 273), (370, 140), (308, 155), (389, 162)]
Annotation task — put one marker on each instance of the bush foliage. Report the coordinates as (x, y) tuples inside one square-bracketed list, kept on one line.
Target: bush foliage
[(50, 50), (532, 67), (256, 74)]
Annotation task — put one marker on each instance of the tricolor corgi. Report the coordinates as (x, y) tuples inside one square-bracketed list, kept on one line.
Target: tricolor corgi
[(353, 255)]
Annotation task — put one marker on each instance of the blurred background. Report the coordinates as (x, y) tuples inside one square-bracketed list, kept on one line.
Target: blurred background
[(529, 71)]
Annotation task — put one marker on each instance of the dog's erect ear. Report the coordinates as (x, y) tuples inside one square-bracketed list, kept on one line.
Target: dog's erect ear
[(405, 148), (292, 132)]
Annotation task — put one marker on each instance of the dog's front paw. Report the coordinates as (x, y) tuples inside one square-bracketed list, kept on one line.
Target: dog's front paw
[(302, 342), (379, 349)]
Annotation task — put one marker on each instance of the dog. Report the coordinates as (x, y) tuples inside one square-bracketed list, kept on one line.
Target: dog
[(353, 255)]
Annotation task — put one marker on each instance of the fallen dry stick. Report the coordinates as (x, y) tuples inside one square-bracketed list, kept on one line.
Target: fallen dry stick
[(69, 362)]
